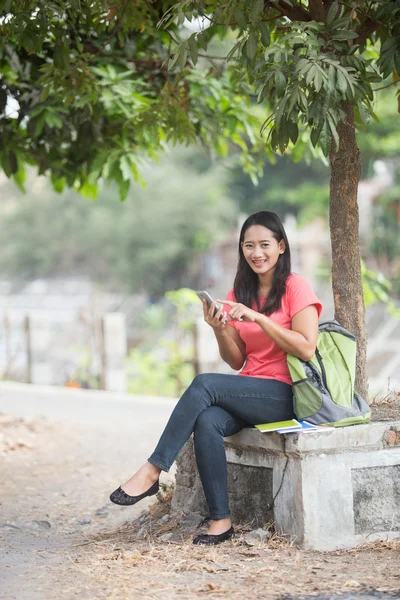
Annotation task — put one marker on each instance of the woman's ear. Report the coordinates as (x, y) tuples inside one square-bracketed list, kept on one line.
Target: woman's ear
[(282, 247)]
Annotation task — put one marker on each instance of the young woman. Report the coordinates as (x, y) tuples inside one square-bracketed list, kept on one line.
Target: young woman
[(269, 313)]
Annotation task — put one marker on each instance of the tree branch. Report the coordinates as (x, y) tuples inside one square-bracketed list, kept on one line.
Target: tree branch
[(294, 13), (366, 29), (316, 10), (391, 84)]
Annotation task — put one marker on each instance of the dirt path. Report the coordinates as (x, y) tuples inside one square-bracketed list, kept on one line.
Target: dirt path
[(61, 538)]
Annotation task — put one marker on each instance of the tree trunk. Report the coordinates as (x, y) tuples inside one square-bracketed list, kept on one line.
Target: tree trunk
[(344, 224)]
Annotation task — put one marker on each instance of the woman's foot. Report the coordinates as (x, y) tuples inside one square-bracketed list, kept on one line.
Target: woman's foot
[(142, 480), (142, 484), (219, 526), (219, 531)]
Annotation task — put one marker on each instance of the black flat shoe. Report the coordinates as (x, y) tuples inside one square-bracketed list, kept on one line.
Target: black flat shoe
[(123, 499), (213, 540)]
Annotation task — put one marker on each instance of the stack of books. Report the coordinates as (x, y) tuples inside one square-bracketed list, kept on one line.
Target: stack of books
[(292, 426)]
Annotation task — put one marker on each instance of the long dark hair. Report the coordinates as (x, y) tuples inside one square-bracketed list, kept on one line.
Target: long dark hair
[(246, 281)]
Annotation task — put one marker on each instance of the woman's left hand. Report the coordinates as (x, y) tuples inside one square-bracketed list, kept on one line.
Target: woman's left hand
[(240, 312)]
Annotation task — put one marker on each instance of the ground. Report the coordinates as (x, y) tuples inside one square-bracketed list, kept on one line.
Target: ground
[(61, 538)]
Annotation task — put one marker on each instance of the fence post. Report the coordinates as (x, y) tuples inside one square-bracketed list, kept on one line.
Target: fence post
[(114, 349), (38, 348)]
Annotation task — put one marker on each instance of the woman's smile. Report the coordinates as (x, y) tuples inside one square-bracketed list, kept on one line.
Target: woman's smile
[(259, 262)]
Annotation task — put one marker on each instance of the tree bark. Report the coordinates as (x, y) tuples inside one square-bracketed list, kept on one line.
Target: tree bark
[(344, 226)]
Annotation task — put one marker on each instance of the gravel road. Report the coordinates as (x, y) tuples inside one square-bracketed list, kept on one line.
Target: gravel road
[(55, 482)]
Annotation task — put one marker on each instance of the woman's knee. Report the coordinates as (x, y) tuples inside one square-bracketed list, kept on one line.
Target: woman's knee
[(203, 379), (208, 420)]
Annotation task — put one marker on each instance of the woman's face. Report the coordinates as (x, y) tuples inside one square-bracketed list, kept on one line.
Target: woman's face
[(261, 250)]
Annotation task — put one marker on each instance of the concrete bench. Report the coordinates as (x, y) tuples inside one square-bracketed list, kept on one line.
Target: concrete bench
[(325, 491)]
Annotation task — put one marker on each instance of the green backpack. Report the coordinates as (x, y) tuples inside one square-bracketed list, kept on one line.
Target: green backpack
[(323, 387)]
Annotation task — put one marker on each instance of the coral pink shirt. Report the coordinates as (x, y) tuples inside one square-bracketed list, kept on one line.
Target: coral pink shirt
[(264, 358)]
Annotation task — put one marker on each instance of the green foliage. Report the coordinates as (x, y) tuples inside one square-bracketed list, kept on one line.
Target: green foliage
[(377, 288), (316, 61), (99, 88), (165, 366), (381, 138), (96, 96)]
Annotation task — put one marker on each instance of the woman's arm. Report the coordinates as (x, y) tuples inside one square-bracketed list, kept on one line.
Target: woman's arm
[(231, 346), (300, 341)]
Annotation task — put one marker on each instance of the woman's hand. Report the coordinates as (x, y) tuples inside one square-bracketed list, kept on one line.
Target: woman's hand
[(240, 312), (217, 321)]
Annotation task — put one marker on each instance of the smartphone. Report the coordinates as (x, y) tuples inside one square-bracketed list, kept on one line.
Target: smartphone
[(206, 296)]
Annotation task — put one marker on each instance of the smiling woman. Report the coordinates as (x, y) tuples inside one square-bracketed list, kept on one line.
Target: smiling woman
[(269, 313)]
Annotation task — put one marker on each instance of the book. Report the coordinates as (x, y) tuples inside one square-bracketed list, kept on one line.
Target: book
[(284, 426), (292, 426), (306, 427)]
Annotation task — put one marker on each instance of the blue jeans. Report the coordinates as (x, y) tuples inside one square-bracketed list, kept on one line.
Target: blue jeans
[(215, 406)]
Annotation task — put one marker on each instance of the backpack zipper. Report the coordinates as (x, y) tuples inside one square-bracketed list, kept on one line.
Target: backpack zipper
[(322, 367)]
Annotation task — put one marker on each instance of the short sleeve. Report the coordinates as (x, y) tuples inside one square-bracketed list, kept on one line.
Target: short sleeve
[(300, 295)]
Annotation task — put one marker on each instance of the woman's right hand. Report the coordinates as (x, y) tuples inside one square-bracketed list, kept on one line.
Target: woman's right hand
[(217, 322)]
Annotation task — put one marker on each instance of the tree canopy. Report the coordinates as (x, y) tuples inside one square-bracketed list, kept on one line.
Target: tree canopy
[(89, 89)]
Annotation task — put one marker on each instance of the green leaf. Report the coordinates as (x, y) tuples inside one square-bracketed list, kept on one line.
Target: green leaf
[(58, 183), (341, 81), (325, 140), (44, 94), (344, 35), (364, 113), (315, 136), (20, 177), (265, 35), (333, 130), (172, 62), (233, 51), (303, 66), (311, 74), (221, 146), (57, 122), (293, 131), (251, 45), (240, 18), (61, 56), (332, 13), (125, 167), (257, 7), (262, 93), (13, 162), (373, 77), (280, 82), (194, 54), (123, 188), (88, 190), (318, 80)]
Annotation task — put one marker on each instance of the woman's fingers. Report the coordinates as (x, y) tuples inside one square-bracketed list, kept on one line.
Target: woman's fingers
[(216, 320), (217, 314)]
